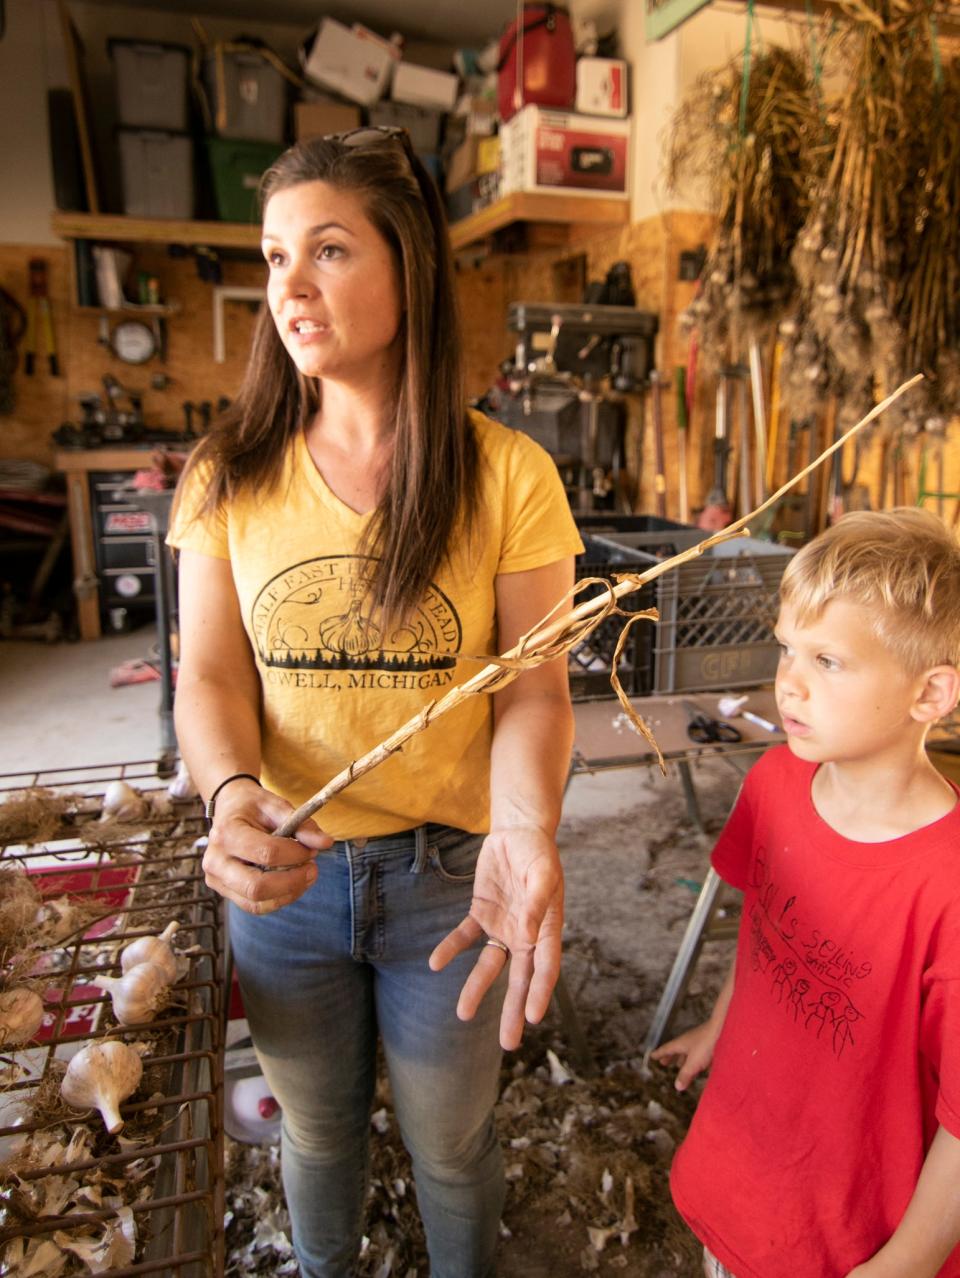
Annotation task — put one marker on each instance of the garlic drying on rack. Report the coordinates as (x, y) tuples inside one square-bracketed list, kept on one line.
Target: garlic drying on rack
[(152, 949), (122, 803), (136, 994), (102, 1075), (21, 1014)]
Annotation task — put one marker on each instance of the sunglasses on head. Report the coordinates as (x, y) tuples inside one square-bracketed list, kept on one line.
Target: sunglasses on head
[(372, 134)]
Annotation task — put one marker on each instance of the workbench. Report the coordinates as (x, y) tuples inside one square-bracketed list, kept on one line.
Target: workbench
[(605, 738)]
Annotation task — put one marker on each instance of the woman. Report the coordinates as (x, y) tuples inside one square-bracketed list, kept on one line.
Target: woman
[(348, 535)]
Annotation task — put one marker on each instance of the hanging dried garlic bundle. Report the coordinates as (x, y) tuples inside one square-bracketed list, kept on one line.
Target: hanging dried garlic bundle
[(876, 260), (749, 131)]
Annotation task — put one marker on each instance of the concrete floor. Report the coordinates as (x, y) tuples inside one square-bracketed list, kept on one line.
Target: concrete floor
[(58, 710)]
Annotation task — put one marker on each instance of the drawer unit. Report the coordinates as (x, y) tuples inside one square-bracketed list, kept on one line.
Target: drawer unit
[(126, 549)]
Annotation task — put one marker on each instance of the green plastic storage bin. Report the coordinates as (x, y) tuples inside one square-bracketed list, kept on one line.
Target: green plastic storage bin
[(236, 168)]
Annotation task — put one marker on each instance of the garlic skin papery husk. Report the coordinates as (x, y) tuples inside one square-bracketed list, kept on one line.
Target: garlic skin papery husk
[(100, 1076), (21, 1015), (122, 803), (152, 949), (136, 994)]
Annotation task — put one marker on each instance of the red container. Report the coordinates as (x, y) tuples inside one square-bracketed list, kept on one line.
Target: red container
[(537, 63)]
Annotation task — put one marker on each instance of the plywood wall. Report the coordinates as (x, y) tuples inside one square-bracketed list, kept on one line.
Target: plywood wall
[(487, 285), (43, 402)]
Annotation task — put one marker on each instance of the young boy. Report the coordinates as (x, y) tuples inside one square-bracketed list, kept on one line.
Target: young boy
[(827, 1140)]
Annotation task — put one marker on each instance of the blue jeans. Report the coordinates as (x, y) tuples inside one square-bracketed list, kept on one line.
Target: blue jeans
[(320, 978)]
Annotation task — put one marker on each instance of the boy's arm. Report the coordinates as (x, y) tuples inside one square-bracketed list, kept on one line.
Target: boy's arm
[(930, 1228), (694, 1048)]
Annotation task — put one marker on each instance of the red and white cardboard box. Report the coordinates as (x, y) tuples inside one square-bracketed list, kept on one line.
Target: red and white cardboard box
[(353, 62), (602, 86), (564, 152)]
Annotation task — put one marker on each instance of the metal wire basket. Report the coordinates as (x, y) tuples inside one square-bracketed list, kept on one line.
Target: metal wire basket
[(164, 1171)]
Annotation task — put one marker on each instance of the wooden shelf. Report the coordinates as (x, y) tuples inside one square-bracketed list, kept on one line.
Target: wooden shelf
[(528, 206), (102, 226), (161, 310), (522, 206)]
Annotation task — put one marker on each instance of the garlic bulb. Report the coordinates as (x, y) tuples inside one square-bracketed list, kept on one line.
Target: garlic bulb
[(136, 994), (183, 785), (21, 1014), (122, 802), (102, 1075), (152, 949)]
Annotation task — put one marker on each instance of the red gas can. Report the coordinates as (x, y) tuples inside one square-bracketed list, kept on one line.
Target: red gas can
[(537, 62)]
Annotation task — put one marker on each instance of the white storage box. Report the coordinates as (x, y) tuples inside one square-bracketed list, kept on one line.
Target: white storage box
[(558, 151), (602, 86), (157, 173), (424, 87), (151, 82), (352, 62)]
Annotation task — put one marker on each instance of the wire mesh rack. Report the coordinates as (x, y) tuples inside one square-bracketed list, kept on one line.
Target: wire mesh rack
[(151, 1198)]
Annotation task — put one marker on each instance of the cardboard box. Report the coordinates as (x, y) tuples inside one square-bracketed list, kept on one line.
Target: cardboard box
[(602, 86), (423, 86), (558, 151), (353, 62), (473, 196), (317, 119), (472, 157)]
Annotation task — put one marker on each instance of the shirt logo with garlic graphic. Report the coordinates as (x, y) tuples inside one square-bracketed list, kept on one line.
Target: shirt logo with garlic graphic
[(316, 615)]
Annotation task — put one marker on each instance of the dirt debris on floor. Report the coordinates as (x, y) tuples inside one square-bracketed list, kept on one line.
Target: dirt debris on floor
[(587, 1153)]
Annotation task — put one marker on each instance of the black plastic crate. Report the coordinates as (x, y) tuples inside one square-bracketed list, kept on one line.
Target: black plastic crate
[(717, 614), (591, 661)]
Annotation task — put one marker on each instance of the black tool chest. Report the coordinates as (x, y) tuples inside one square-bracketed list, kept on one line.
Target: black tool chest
[(125, 545)]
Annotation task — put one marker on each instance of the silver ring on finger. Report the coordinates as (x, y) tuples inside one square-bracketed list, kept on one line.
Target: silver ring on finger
[(497, 945)]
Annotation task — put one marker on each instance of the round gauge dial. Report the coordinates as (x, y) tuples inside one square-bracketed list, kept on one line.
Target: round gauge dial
[(134, 342)]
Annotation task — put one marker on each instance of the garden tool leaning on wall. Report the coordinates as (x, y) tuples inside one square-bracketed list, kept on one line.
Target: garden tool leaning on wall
[(39, 320)]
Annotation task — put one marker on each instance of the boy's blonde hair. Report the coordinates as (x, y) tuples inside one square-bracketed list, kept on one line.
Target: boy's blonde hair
[(902, 564)]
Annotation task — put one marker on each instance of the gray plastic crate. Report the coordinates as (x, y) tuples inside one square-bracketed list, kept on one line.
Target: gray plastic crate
[(151, 83), (157, 173), (717, 614), (589, 663), (253, 93)]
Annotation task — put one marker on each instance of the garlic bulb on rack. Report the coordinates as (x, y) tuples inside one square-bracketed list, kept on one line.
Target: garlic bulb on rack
[(21, 1015), (122, 803), (102, 1075), (136, 994), (152, 949)]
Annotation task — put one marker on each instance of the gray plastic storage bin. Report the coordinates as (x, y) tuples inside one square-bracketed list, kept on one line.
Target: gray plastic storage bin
[(422, 124), (151, 82), (157, 172), (253, 95)]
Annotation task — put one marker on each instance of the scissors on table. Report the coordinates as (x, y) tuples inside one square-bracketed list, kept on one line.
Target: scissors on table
[(703, 728)]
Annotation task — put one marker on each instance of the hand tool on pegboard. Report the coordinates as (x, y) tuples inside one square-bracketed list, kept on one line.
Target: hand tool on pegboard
[(13, 322), (660, 478), (683, 423), (716, 513), (759, 420), (39, 319)]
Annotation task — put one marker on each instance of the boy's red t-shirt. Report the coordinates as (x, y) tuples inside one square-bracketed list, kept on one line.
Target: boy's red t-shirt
[(840, 1052)]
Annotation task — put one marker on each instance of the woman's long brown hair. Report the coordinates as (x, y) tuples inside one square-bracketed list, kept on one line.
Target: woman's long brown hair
[(430, 493)]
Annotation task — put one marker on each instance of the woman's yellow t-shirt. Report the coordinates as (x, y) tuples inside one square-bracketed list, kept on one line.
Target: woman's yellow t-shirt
[(333, 683)]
